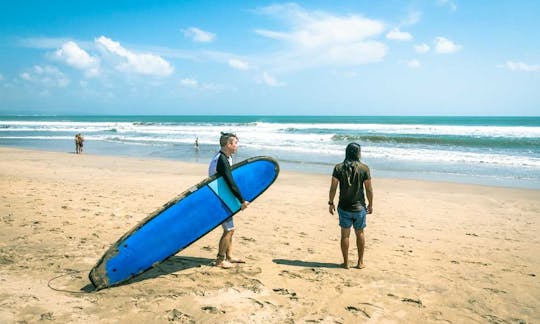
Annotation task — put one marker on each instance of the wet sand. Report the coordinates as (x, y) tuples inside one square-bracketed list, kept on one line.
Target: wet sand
[(435, 252)]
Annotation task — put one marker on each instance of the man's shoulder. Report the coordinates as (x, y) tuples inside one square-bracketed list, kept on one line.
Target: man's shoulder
[(363, 166), (358, 163), (364, 170), (338, 167), (359, 166)]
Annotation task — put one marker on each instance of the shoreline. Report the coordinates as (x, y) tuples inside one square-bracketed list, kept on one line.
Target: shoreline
[(308, 168), (435, 251), (489, 151)]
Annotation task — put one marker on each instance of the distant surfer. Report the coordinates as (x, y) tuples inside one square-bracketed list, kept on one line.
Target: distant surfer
[(221, 164), (353, 177)]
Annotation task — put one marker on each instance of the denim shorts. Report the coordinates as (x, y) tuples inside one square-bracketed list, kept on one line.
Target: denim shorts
[(228, 224), (356, 219)]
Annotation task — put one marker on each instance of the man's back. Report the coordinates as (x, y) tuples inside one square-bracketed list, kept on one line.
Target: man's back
[(351, 178)]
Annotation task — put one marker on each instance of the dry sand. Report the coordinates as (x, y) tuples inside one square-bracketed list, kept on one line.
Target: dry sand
[(436, 252)]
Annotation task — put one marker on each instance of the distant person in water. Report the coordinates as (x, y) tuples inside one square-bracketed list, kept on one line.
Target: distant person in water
[(221, 165), (79, 143), (197, 143), (352, 177)]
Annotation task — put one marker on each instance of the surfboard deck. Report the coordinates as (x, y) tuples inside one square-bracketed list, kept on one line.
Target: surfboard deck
[(181, 221)]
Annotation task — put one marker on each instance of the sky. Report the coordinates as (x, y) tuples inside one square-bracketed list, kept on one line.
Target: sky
[(431, 57)]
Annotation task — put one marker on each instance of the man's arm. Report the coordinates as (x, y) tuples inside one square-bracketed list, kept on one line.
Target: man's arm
[(369, 194), (332, 194), (223, 169)]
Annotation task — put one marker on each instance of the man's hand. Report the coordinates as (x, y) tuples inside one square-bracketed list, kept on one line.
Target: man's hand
[(244, 205), (331, 209)]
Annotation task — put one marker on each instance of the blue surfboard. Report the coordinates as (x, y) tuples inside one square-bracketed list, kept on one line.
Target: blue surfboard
[(181, 221)]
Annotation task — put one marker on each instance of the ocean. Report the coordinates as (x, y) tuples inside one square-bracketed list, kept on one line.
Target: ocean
[(499, 151)]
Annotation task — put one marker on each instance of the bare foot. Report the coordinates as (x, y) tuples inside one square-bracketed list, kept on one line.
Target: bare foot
[(233, 260), (360, 266), (224, 264), (345, 266)]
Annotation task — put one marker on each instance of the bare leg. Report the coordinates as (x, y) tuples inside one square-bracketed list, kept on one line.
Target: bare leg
[(360, 244), (228, 250), (225, 243), (345, 233), (224, 249)]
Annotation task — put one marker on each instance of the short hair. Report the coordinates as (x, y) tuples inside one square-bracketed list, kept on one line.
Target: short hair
[(226, 138)]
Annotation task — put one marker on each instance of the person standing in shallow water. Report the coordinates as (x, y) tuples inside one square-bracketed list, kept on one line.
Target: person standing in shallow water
[(79, 140), (352, 177), (76, 143), (221, 164)]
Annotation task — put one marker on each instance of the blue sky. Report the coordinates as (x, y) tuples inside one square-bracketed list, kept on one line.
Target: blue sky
[(432, 57)]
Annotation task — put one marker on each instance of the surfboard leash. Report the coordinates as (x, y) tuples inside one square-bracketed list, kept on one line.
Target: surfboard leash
[(71, 272)]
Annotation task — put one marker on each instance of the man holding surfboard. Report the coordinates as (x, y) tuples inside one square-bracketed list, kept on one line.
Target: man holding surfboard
[(353, 177), (221, 164)]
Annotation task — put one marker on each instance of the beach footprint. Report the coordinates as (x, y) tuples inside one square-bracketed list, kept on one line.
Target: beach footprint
[(212, 309), (286, 292), (174, 315)]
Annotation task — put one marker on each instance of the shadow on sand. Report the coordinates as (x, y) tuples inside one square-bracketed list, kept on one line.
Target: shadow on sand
[(307, 264), (171, 265)]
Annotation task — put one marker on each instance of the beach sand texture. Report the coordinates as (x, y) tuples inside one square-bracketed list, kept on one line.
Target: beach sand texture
[(435, 252)]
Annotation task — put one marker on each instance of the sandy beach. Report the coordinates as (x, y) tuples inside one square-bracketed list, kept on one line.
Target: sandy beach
[(435, 252)]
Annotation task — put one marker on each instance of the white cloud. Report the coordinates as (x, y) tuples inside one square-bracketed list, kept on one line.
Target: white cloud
[(198, 35), (318, 38), (269, 80), (273, 34), (42, 42), (354, 53), (520, 66), (194, 84), (451, 4), (412, 19), (413, 64), (128, 61), (189, 83), (396, 34), (238, 64), (446, 46), (48, 76), (422, 48), (73, 55), (315, 30)]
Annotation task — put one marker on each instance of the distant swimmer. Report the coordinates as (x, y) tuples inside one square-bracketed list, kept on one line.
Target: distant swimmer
[(79, 143), (197, 143)]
